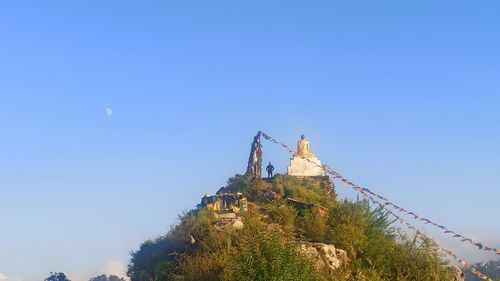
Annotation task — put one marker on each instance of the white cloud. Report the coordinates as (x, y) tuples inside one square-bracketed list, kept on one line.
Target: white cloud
[(110, 268), (3, 277), (117, 268)]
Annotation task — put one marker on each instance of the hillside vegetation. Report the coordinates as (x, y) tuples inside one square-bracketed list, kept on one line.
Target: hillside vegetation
[(199, 247)]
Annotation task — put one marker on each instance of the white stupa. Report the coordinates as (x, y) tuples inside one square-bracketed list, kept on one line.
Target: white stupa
[(305, 163)]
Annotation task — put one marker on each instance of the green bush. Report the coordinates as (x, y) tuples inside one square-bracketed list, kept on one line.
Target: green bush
[(283, 214), (253, 189), (376, 250), (308, 190), (312, 225), (266, 255)]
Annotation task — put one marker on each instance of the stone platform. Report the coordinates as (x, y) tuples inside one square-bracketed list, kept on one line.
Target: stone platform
[(300, 167)]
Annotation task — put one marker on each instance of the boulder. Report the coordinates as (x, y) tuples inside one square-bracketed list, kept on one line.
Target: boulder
[(238, 224), (324, 255)]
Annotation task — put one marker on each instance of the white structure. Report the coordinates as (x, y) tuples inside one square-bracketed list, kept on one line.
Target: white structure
[(305, 163), (300, 167)]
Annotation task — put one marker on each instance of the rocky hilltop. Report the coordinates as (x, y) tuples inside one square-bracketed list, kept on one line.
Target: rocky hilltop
[(491, 268), (285, 228)]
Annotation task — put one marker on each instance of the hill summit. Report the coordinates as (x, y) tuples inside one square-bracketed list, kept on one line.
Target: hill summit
[(285, 228)]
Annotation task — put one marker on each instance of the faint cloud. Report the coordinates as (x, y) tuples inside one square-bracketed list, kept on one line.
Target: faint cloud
[(471, 253), (109, 111), (77, 277), (4, 277), (110, 268), (117, 268)]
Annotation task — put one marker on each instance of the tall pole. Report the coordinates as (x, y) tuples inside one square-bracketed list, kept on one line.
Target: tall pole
[(254, 168)]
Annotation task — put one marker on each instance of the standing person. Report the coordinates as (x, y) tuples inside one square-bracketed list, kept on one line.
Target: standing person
[(270, 169)]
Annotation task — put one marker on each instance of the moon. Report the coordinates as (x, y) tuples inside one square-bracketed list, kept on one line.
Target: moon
[(109, 111)]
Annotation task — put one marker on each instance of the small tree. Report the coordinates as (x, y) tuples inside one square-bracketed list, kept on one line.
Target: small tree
[(104, 277), (57, 276)]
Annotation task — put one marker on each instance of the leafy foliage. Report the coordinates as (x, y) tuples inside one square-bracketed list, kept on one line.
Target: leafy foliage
[(104, 277), (264, 255), (308, 190), (283, 214), (377, 250), (266, 248), (312, 225), (57, 276)]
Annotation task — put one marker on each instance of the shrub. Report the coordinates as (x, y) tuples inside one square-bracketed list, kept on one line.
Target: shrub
[(281, 213), (312, 225), (259, 252), (265, 255), (308, 190)]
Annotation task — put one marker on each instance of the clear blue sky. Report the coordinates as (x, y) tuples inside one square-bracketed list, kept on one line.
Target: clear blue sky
[(400, 96)]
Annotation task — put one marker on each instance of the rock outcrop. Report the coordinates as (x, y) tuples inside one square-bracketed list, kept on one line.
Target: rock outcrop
[(458, 275), (324, 255)]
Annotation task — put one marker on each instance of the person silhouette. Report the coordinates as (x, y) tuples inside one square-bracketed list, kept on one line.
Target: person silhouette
[(270, 169)]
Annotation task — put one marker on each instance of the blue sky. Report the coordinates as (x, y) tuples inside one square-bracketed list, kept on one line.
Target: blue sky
[(399, 96)]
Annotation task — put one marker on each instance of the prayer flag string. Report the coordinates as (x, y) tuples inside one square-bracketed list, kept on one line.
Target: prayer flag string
[(427, 238), (368, 193), (345, 181)]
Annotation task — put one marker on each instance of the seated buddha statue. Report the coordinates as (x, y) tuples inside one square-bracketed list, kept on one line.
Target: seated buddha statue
[(303, 148)]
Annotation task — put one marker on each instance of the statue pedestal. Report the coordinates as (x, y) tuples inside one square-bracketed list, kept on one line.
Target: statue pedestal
[(302, 168)]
